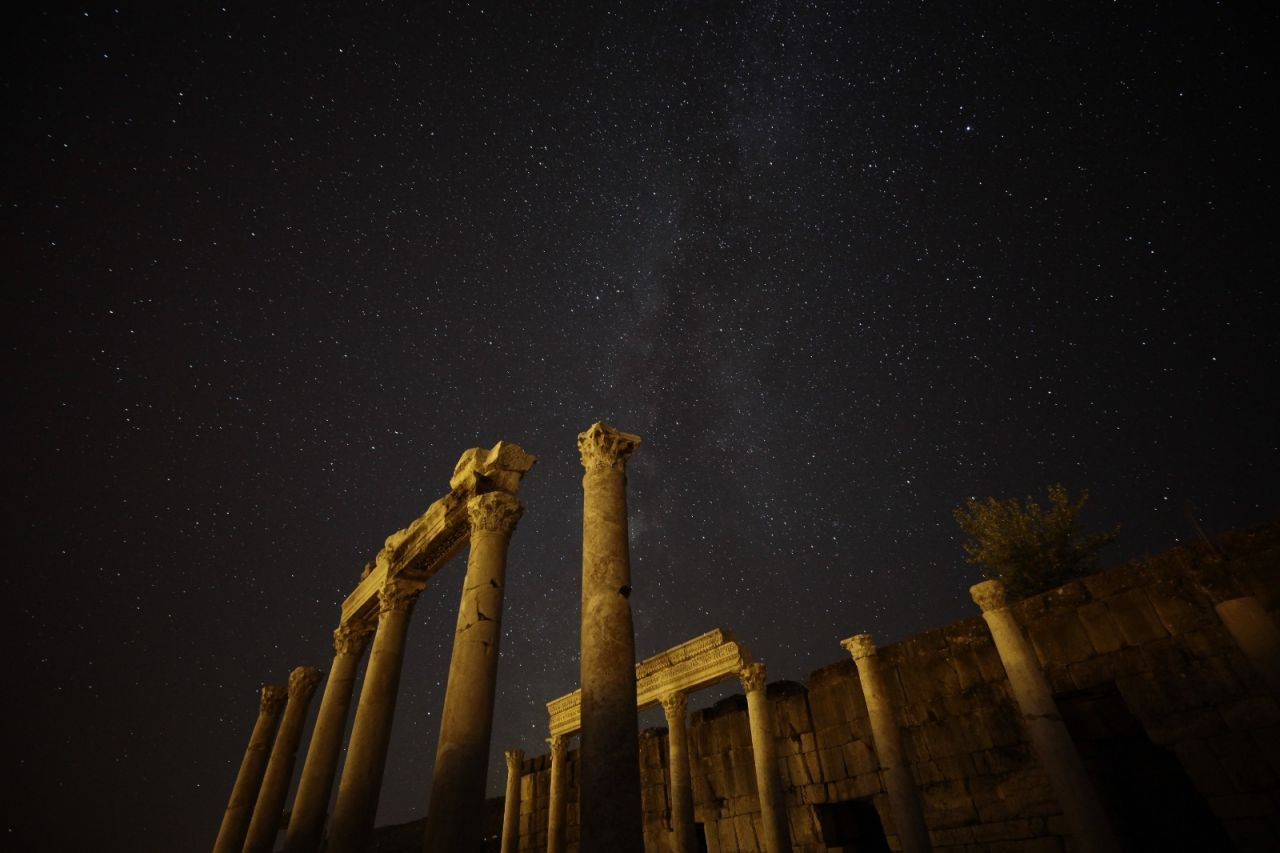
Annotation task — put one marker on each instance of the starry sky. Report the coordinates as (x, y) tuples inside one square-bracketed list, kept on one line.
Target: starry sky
[(272, 267)]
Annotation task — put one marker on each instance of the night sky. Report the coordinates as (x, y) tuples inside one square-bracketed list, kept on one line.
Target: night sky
[(271, 269)]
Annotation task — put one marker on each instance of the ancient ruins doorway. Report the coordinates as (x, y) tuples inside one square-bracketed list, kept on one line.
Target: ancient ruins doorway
[(851, 826)]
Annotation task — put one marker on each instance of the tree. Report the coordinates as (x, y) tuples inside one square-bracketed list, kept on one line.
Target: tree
[(1027, 547)]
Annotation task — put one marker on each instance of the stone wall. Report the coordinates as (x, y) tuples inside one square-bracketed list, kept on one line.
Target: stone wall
[(1178, 730)]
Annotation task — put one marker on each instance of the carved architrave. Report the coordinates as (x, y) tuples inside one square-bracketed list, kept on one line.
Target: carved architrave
[(989, 595), (302, 682), (860, 646), (273, 699), (494, 512), (753, 677), (515, 758), (350, 638), (604, 448)]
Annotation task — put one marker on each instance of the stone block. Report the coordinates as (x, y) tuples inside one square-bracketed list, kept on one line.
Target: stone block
[(1207, 641), (1099, 626), (859, 758), (1060, 639), (1203, 767), (1251, 712), (1185, 725), (1179, 605), (1002, 759), (1236, 752), (832, 763), (1136, 618), (834, 736), (1108, 583), (1008, 830), (928, 674), (947, 804)]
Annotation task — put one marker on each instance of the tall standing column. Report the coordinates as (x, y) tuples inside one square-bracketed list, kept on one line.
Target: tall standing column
[(1255, 633), (244, 793), (1048, 734), (609, 746), (456, 812), (311, 803), (511, 802), (773, 809), (357, 803), (555, 802), (908, 816), (675, 705), (275, 784)]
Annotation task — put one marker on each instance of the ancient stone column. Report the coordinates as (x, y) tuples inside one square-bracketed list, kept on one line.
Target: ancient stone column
[(456, 811), (908, 816), (773, 809), (244, 793), (555, 802), (361, 782), (511, 803), (675, 705), (311, 803), (609, 746), (1045, 729), (1255, 633), (275, 784)]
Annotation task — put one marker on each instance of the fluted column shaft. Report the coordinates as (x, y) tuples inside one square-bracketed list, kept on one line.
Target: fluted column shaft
[(275, 784), (456, 811), (609, 745), (555, 802), (908, 816), (1048, 734), (511, 802), (244, 793), (675, 706), (357, 803), (773, 809), (311, 803)]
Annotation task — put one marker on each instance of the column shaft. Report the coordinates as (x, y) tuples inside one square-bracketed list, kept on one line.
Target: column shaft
[(908, 816), (555, 802), (773, 810), (682, 830), (511, 802), (265, 823), (311, 803), (456, 811), (1255, 633), (244, 793), (357, 803), (1046, 731), (609, 743)]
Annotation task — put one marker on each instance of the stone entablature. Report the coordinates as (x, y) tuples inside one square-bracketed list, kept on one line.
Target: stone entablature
[(701, 662)]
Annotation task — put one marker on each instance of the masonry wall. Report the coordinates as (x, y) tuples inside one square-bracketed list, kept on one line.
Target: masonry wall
[(1150, 684)]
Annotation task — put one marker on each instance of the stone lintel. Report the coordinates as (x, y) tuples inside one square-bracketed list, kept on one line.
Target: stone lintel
[(433, 538), (692, 665)]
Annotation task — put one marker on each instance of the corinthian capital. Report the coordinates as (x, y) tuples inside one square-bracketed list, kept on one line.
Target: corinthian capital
[(604, 448), (515, 758), (559, 746), (860, 646), (674, 705), (350, 637), (303, 681), (397, 596), (273, 699), (989, 595), (752, 676), (494, 511)]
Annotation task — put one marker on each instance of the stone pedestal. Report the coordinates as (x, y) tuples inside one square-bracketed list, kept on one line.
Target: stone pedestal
[(1046, 731), (609, 745), (275, 784), (511, 802), (675, 707), (555, 802), (244, 793), (456, 811), (1256, 635), (311, 803), (357, 802), (773, 809), (908, 816)]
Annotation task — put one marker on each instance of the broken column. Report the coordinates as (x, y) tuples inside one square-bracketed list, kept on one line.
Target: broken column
[(904, 800), (511, 802), (1045, 729), (244, 793), (674, 706), (609, 746), (265, 823), (773, 809), (555, 802), (456, 810), (311, 803), (357, 802)]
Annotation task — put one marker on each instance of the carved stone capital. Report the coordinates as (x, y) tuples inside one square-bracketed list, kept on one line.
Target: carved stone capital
[(753, 677), (497, 512), (273, 699), (989, 595), (515, 758), (302, 682), (674, 705), (604, 448), (349, 638), (559, 747), (860, 646), (398, 596)]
